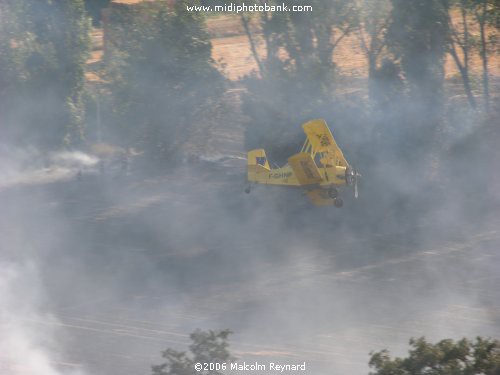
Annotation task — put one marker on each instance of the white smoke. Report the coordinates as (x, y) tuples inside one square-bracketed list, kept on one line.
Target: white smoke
[(27, 338)]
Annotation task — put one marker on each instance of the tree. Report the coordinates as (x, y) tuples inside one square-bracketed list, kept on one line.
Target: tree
[(297, 74), (309, 39), (44, 48), (447, 357), (417, 37), (374, 21), (206, 347), (460, 38), (486, 12), (162, 73), (253, 45), (10, 54), (94, 8)]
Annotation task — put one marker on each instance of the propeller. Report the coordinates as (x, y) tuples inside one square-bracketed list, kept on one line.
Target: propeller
[(352, 179), (356, 175)]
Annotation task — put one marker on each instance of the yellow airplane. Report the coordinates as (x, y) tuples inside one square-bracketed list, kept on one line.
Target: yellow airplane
[(320, 167)]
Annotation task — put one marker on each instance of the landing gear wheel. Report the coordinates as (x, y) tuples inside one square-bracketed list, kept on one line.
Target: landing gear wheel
[(333, 193), (338, 202), (247, 190)]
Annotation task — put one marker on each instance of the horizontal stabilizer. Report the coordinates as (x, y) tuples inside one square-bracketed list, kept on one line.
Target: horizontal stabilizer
[(305, 169)]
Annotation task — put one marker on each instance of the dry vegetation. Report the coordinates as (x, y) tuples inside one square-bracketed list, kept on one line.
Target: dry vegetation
[(232, 50), (231, 46)]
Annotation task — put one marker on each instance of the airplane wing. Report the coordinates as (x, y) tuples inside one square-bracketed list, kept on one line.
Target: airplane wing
[(305, 169), (319, 198), (321, 139)]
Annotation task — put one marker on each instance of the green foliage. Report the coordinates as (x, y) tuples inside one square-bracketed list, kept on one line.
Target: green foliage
[(309, 39), (374, 18), (486, 12), (44, 45), (462, 40), (206, 347), (162, 74), (94, 9), (418, 38), (10, 52), (492, 11), (447, 357)]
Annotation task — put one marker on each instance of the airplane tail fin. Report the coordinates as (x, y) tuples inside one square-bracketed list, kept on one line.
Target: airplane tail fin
[(257, 162), (258, 157)]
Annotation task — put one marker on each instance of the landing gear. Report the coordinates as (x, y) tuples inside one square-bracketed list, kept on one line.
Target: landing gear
[(338, 202), (333, 193)]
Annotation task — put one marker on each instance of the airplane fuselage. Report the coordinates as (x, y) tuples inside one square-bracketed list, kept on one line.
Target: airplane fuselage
[(285, 176)]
